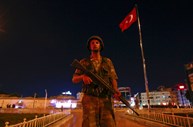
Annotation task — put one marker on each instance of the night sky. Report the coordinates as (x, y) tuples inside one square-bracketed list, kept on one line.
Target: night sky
[(39, 39)]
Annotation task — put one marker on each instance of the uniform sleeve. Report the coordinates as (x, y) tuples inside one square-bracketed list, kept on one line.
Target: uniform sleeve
[(112, 69), (78, 71)]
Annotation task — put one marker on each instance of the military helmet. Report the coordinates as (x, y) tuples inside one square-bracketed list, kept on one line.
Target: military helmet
[(97, 38)]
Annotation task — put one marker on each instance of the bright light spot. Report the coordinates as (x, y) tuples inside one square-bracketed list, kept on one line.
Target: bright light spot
[(129, 111), (53, 101), (67, 93), (64, 104), (181, 87), (73, 105), (132, 103), (141, 107), (164, 103)]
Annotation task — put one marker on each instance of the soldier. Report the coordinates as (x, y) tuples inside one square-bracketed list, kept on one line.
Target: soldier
[(97, 100)]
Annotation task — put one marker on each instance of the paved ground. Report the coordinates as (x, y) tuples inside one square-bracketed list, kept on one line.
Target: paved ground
[(122, 121), (77, 120)]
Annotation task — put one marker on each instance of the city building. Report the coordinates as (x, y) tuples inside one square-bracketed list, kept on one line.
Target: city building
[(125, 92), (189, 79), (156, 98), (172, 97), (64, 100), (181, 91)]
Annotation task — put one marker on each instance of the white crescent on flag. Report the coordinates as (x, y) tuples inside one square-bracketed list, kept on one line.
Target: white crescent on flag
[(131, 18)]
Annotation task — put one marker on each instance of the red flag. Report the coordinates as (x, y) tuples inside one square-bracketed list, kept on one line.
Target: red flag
[(129, 20)]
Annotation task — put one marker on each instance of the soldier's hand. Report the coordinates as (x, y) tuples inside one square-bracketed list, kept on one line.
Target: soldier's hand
[(117, 95), (87, 80)]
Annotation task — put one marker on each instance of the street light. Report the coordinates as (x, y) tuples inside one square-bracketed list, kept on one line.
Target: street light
[(46, 94), (34, 100)]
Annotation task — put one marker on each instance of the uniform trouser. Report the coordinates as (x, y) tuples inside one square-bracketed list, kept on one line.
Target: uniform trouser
[(97, 112)]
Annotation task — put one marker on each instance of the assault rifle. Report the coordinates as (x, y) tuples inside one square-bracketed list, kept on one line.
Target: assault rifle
[(97, 79)]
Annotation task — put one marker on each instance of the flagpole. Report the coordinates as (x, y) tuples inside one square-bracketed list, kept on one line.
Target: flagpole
[(143, 59)]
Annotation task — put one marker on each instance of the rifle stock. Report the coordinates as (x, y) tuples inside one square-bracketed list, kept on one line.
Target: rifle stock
[(100, 81)]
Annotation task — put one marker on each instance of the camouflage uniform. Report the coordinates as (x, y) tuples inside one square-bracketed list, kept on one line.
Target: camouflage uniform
[(97, 101)]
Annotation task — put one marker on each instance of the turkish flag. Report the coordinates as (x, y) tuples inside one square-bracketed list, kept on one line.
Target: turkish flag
[(129, 20)]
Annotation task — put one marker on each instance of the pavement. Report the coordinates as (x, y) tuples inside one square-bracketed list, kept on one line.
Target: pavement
[(75, 120)]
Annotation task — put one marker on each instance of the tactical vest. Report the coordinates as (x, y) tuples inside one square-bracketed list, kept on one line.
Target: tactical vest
[(94, 89)]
